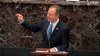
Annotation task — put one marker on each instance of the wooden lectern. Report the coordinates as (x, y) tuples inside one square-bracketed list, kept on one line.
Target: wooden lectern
[(43, 52)]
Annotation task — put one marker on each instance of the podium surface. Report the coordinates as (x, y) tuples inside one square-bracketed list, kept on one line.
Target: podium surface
[(43, 52), (49, 53)]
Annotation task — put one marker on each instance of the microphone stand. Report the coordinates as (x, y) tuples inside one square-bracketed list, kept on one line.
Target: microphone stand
[(49, 46)]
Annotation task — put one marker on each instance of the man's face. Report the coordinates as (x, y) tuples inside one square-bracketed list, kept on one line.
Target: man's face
[(51, 15)]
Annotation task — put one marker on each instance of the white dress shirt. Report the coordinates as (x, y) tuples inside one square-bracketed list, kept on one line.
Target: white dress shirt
[(54, 24)]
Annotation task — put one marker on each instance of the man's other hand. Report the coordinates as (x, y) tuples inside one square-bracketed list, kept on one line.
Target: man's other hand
[(53, 50)]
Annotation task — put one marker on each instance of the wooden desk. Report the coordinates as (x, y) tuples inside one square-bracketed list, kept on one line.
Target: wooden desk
[(42, 52), (49, 53)]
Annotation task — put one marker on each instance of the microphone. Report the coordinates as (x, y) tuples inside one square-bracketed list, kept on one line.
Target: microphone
[(49, 32)]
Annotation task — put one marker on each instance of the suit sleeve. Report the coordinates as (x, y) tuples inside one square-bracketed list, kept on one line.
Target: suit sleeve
[(65, 40), (32, 27)]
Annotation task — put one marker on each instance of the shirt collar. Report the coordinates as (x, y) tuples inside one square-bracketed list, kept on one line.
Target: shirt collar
[(55, 23)]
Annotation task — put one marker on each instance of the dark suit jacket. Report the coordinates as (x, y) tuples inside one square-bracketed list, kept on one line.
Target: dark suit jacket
[(59, 38)]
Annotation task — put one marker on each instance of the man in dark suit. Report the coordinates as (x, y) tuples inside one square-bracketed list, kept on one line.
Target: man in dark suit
[(55, 33)]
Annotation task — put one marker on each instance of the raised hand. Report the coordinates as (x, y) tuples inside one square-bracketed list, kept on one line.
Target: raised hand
[(20, 18)]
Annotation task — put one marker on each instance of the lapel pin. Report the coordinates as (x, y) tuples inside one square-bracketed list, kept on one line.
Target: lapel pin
[(56, 28)]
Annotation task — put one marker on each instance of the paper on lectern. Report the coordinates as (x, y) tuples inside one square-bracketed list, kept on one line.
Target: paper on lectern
[(41, 51)]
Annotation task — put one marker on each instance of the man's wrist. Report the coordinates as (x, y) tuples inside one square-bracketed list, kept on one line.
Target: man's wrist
[(20, 22)]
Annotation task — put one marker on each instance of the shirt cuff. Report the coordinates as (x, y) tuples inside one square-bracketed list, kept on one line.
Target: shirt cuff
[(56, 49)]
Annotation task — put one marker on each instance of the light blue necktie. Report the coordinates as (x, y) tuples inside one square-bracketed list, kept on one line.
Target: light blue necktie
[(49, 31)]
